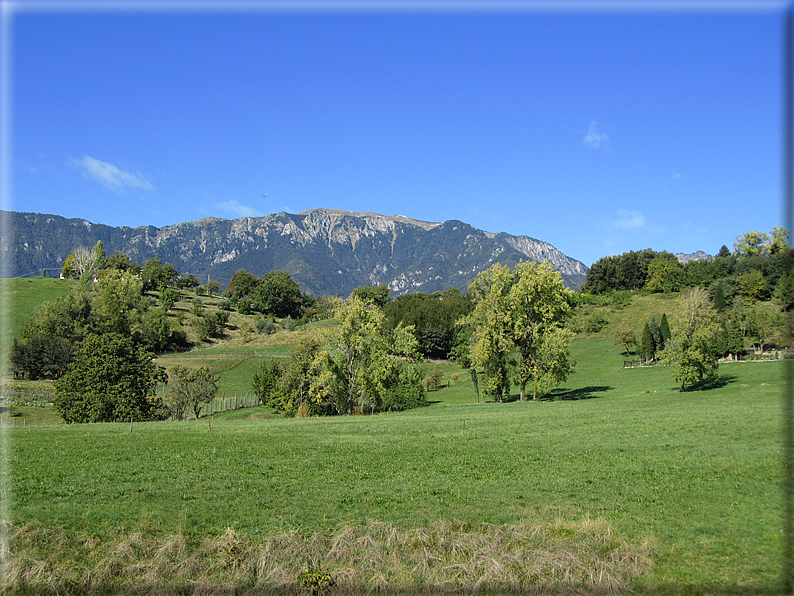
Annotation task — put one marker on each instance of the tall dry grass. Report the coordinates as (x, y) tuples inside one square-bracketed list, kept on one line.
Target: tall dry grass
[(446, 557)]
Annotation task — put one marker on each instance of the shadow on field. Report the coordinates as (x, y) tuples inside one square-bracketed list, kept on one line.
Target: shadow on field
[(573, 394), (722, 381)]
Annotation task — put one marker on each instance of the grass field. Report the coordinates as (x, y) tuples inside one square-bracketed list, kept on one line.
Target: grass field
[(696, 475), (24, 296), (616, 476)]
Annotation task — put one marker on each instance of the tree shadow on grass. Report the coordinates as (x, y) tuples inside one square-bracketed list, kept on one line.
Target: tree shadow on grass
[(722, 381), (564, 394), (574, 394)]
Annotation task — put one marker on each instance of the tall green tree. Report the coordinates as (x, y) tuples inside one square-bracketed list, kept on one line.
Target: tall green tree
[(278, 294), (664, 329), (378, 295), (111, 379), (357, 358), (492, 323), (647, 349), (692, 348), (539, 304), (766, 321), (656, 334)]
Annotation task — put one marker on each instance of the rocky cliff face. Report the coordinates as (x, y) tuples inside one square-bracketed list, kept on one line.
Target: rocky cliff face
[(326, 251)]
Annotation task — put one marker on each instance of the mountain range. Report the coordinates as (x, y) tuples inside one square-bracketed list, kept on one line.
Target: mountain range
[(326, 251)]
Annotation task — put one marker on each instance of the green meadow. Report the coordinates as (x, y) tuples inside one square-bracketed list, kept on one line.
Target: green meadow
[(615, 482), (694, 477)]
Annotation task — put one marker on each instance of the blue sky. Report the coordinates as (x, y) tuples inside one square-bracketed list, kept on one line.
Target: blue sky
[(594, 128)]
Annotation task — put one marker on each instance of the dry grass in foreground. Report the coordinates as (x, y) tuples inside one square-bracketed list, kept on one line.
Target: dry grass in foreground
[(446, 557)]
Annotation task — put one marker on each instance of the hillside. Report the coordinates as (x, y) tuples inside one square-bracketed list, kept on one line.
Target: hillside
[(325, 251)]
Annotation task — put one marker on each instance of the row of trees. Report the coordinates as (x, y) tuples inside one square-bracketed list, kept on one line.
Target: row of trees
[(759, 267)]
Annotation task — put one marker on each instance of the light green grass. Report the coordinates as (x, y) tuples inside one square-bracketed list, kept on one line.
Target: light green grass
[(697, 474), (24, 296)]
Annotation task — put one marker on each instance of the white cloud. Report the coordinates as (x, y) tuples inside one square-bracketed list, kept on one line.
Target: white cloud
[(109, 175), (629, 220), (677, 176), (596, 138), (238, 209)]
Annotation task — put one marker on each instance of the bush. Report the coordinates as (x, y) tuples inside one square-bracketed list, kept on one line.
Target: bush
[(403, 397), (265, 325), (244, 307), (433, 380), (225, 304), (595, 322)]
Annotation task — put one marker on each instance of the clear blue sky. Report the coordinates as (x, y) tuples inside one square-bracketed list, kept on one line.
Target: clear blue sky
[(594, 129)]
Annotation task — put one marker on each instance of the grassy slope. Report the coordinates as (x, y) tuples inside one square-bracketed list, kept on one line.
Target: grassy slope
[(21, 297), (696, 474)]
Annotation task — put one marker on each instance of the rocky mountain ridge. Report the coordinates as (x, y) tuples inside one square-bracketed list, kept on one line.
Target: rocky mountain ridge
[(327, 251)]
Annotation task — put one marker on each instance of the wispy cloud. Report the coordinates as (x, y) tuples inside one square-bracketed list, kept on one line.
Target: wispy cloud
[(677, 176), (596, 137), (237, 209), (628, 220), (109, 175)]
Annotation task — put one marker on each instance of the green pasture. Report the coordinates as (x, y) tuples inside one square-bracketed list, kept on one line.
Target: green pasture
[(696, 475), (21, 297)]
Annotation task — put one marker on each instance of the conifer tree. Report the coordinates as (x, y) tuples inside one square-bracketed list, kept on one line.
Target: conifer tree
[(664, 328), (646, 343), (656, 334)]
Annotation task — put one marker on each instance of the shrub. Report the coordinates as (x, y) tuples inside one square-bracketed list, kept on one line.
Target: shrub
[(433, 380), (595, 322), (244, 307), (225, 304), (265, 325)]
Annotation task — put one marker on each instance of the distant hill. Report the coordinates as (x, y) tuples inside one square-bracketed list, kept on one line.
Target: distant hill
[(326, 251)]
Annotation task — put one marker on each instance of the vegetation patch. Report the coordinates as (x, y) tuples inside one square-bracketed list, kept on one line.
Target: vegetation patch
[(445, 556)]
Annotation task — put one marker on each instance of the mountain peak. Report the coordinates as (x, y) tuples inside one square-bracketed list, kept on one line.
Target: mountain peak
[(327, 251)]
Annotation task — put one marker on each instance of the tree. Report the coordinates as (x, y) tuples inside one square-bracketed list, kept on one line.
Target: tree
[(647, 349), (492, 323), (750, 243), (111, 379), (266, 382), (625, 337), (242, 284), (664, 330), (664, 275), (169, 297), (691, 350), (539, 304), (156, 276), (188, 282), (84, 264), (377, 295), (656, 334), (357, 359), (765, 321), (301, 379), (190, 387), (753, 285), (278, 294)]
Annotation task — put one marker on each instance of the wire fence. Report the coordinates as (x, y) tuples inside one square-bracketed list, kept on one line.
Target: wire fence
[(225, 404)]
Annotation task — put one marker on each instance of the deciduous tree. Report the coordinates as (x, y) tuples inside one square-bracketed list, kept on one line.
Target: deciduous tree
[(190, 388), (691, 350), (539, 304), (110, 379)]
